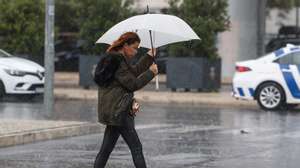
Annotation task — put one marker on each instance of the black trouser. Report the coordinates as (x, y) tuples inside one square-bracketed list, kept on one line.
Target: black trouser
[(130, 136)]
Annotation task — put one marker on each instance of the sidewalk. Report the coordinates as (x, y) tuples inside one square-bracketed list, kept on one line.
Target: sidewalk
[(190, 98), (17, 132), (65, 81)]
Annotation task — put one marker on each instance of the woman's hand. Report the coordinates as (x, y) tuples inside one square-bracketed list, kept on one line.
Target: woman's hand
[(135, 107), (151, 53), (154, 69)]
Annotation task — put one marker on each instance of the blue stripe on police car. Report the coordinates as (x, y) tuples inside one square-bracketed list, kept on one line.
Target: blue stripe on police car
[(290, 81)]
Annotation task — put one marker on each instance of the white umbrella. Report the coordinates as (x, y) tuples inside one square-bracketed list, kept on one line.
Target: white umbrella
[(155, 30)]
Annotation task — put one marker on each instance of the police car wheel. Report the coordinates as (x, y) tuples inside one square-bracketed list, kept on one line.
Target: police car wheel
[(270, 96)]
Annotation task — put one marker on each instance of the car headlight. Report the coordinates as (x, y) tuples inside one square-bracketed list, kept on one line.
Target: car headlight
[(14, 72)]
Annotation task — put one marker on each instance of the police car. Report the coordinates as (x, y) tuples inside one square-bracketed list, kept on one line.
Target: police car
[(20, 76), (272, 80)]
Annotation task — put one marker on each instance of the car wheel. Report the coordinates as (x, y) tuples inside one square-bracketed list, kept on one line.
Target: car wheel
[(2, 90), (270, 96)]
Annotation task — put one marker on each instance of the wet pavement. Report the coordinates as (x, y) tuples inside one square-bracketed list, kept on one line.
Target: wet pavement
[(63, 110), (172, 136)]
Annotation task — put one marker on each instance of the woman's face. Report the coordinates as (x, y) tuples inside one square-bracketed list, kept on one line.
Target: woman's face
[(131, 50)]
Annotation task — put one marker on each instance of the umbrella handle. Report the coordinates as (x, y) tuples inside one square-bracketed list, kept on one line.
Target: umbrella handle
[(150, 32), (156, 78)]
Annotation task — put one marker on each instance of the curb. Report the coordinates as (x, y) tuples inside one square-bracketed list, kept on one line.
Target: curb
[(49, 134), (182, 98), (145, 99), (215, 103)]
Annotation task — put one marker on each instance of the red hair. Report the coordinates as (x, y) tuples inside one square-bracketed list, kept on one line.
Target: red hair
[(126, 38)]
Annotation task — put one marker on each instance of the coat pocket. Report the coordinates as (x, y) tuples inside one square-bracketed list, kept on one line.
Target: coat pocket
[(123, 105), (125, 102)]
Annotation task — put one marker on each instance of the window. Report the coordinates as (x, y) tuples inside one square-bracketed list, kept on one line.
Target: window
[(292, 58)]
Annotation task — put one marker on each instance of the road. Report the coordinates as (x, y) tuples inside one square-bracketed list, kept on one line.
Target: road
[(173, 136)]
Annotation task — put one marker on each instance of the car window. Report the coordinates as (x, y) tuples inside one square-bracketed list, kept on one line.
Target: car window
[(292, 58)]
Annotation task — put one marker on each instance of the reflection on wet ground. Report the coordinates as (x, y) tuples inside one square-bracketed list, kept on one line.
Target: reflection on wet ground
[(173, 136)]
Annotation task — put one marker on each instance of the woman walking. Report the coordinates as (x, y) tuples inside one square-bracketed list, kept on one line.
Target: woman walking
[(117, 82)]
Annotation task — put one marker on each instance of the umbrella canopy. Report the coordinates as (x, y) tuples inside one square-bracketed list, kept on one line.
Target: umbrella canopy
[(165, 29)]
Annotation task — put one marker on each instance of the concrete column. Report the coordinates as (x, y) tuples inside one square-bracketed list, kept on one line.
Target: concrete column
[(240, 42)]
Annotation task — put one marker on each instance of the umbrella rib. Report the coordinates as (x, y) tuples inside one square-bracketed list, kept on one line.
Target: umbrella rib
[(176, 35)]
